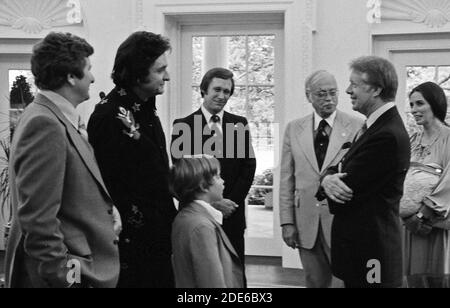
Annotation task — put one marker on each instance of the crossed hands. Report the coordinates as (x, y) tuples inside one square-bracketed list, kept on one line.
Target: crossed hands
[(336, 189), (226, 206)]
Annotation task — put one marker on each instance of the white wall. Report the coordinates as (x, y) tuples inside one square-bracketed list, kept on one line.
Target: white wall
[(343, 34), (107, 24)]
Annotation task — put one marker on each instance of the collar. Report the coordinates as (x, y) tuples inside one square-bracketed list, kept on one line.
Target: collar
[(217, 215), (208, 115), (130, 100), (378, 113), (330, 120), (67, 109)]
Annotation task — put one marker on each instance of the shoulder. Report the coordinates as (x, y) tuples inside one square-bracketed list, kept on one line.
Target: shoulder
[(39, 117), (350, 118), (298, 123), (188, 119), (236, 118)]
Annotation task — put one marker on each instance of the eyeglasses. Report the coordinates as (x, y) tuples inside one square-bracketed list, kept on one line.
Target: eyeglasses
[(324, 94)]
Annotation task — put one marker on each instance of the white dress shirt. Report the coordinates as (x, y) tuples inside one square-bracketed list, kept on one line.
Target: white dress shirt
[(66, 107), (378, 113), (217, 215), (208, 117)]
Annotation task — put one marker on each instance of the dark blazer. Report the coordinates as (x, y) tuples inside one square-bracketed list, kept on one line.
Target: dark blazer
[(368, 227), (203, 257), (238, 173), (62, 210), (136, 174)]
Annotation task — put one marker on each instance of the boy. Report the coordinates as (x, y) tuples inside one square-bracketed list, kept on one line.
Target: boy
[(203, 256)]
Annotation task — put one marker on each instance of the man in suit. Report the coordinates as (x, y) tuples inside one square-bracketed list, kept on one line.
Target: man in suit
[(63, 231), (311, 145), (365, 189), (210, 130), (130, 147)]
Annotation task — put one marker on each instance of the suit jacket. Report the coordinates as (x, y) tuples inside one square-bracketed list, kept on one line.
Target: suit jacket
[(300, 175), (237, 172), (203, 257), (62, 210), (368, 227), (136, 174)]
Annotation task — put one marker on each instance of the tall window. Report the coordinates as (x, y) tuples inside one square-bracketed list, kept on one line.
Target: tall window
[(252, 60)]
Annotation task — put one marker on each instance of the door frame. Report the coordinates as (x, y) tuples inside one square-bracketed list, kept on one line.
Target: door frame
[(268, 26), (392, 46)]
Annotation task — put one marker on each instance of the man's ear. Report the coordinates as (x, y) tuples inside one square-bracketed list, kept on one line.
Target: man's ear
[(308, 96), (71, 79), (377, 91)]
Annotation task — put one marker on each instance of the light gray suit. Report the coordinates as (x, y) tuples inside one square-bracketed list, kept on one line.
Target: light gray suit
[(62, 210), (203, 256), (300, 180)]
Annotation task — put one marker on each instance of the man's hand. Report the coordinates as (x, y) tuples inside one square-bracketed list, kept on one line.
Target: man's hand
[(117, 222), (227, 207), (336, 189), (290, 236)]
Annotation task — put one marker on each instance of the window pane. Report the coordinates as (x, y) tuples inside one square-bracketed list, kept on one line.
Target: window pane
[(237, 62), (419, 74), (198, 53), (197, 99), (261, 59), (444, 79), (22, 91), (237, 103)]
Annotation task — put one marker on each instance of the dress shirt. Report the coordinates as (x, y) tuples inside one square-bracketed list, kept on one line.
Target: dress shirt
[(217, 215)]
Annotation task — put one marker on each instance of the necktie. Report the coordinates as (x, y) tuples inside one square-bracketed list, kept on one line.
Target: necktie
[(82, 130), (216, 131), (321, 143), (361, 132)]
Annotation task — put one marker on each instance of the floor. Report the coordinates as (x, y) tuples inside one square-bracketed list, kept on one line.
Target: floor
[(261, 272)]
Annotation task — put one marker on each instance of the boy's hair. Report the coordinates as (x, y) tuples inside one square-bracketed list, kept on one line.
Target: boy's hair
[(191, 175)]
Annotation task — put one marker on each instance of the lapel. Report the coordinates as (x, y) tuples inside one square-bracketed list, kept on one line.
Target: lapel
[(339, 136), (379, 123), (200, 210), (306, 140), (203, 133), (81, 146)]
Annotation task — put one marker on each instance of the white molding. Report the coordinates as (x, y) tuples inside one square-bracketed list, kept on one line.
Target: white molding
[(138, 14), (409, 16), (33, 17)]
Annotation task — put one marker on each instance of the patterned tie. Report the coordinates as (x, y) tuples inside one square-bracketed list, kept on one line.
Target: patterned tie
[(82, 130), (321, 143), (361, 132)]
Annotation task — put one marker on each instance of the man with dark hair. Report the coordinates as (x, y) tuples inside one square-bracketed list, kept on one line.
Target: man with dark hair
[(130, 147), (211, 130), (365, 188), (65, 226)]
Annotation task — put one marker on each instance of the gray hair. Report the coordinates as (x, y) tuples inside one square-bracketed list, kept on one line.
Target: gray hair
[(314, 78)]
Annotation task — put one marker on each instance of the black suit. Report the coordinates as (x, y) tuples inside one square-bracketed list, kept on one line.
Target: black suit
[(238, 173), (136, 174), (368, 227)]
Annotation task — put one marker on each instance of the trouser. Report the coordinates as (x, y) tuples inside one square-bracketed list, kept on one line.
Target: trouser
[(317, 263)]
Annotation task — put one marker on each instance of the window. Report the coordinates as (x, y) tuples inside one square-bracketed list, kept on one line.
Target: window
[(252, 60)]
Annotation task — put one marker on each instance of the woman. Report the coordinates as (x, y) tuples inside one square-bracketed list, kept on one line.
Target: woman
[(427, 241)]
